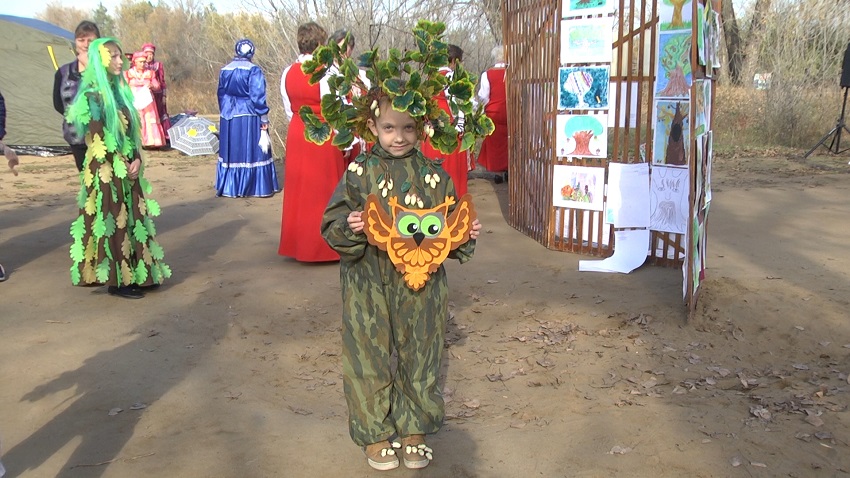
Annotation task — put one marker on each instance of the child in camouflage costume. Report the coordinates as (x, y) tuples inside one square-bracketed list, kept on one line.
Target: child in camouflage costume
[(380, 312)]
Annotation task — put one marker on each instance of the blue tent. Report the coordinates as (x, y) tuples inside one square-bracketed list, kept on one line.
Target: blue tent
[(30, 53)]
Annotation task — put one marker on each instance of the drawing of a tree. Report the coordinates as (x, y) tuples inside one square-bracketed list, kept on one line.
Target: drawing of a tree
[(582, 129), (677, 22), (675, 59), (674, 119)]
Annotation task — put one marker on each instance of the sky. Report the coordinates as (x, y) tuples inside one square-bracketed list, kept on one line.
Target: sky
[(30, 8)]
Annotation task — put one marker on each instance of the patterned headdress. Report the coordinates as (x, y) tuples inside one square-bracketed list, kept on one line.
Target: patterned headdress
[(139, 54), (244, 49), (409, 80), (148, 47)]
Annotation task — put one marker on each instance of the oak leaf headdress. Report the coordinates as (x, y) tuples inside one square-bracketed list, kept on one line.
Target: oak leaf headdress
[(409, 79)]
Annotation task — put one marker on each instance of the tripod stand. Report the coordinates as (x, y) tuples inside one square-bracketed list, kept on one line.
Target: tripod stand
[(835, 144)]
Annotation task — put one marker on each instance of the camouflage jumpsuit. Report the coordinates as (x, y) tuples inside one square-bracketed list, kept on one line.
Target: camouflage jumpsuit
[(381, 313)]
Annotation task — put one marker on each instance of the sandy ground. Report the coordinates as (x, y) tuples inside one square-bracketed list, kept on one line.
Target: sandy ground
[(232, 368)]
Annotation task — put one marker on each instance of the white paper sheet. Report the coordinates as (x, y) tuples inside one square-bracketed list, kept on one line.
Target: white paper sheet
[(628, 195), (630, 251)]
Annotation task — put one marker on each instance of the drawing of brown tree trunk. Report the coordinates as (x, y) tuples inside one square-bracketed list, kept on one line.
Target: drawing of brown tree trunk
[(582, 143), (677, 85), (675, 153), (677, 21)]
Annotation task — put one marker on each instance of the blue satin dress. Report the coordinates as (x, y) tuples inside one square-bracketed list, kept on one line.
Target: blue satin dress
[(243, 170)]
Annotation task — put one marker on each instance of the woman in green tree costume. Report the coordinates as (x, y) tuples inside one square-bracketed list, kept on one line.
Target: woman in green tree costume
[(113, 235)]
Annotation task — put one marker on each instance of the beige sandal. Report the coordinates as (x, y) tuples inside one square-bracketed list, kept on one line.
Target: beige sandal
[(416, 453), (382, 455)]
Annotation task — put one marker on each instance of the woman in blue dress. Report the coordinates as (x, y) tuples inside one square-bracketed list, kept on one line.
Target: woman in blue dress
[(244, 168)]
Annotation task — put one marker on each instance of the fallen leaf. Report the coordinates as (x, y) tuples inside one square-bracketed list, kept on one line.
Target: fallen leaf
[(115, 411), (814, 420), (619, 450), (474, 403), (735, 461), (761, 412), (138, 406)]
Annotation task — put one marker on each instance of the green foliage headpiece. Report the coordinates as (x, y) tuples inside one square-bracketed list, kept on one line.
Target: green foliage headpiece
[(105, 97), (409, 80)]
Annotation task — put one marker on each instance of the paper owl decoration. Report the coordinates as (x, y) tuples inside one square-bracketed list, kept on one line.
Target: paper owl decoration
[(418, 240)]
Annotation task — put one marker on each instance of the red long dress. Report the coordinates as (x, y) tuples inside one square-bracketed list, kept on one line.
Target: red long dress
[(455, 163), (311, 174), (494, 148)]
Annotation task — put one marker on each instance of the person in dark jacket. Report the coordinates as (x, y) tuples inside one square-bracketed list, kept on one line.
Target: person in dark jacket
[(67, 81), (13, 161)]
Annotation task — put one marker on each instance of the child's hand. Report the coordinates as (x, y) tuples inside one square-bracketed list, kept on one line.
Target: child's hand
[(476, 226), (355, 221)]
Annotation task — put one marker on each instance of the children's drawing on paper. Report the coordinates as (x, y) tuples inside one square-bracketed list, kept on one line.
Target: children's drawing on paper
[(708, 159), (583, 136), (668, 200), (672, 133), (675, 14), (699, 161), (573, 8), (674, 65), (701, 58), (578, 187), (583, 87), (700, 119), (715, 39), (587, 40)]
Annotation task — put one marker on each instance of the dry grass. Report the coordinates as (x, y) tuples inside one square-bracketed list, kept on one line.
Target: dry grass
[(792, 116)]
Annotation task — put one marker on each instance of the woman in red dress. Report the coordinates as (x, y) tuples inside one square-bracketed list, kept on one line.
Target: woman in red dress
[(491, 93), (311, 171), (455, 163)]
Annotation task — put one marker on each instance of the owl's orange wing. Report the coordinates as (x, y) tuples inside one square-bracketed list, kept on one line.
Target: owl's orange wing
[(459, 222), (379, 225)]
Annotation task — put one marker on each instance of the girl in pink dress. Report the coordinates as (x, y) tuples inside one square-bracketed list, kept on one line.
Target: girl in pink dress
[(142, 81)]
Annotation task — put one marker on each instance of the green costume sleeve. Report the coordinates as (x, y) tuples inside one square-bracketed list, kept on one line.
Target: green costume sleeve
[(465, 251), (346, 198)]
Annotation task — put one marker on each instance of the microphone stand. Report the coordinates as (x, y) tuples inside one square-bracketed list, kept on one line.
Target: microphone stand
[(835, 144)]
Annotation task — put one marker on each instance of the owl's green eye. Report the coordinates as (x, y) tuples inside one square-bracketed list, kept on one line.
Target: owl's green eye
[(432, 225), (408, 224)]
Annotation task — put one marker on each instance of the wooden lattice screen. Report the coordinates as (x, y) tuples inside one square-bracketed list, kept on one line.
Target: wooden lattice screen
[(532, 40)]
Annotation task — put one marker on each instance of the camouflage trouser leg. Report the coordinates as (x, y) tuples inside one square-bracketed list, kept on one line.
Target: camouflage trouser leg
[(376, 319)]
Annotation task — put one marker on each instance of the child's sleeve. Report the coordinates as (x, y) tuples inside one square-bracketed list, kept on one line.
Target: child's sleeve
[(464, 252), (335, 230)]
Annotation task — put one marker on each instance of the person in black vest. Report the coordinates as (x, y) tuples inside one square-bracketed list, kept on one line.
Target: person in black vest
[(67, 81)]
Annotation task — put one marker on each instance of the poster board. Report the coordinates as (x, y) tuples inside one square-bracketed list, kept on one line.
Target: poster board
[(657, 109)]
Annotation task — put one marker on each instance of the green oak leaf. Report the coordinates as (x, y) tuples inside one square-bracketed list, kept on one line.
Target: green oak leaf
[(102, 271), (140, 233)]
